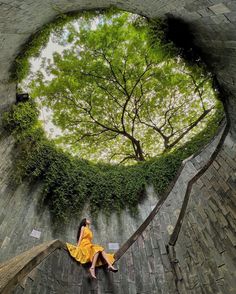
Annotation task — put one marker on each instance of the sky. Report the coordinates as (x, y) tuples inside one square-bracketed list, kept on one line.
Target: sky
[(45, 113), (47, 53)]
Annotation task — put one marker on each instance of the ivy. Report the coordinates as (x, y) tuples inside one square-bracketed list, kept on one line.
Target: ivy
[(70, 182)]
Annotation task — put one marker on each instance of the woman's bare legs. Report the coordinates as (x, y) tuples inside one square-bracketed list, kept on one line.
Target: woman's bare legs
[(110, 266), (92, 268)]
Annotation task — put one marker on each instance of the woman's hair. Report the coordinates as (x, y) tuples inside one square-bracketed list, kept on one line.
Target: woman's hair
[(82, 224)]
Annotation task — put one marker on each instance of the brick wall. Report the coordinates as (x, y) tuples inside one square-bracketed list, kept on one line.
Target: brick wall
[(144, 266), (206, 247), (206, 244), (212, 23)]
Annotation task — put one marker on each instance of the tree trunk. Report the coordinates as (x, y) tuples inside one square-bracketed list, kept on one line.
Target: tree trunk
[(138, 152)]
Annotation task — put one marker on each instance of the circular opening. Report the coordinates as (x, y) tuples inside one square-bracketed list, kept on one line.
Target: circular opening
[(108, 92), (114, 93)]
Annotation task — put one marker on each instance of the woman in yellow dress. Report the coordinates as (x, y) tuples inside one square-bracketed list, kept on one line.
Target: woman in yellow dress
[(86, 251)]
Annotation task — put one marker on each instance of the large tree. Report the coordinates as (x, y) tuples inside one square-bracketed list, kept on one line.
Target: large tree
[(116, 96)]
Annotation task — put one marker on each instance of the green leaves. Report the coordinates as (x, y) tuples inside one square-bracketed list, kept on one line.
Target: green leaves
[(119, 96), (69, 182), (21, 119)]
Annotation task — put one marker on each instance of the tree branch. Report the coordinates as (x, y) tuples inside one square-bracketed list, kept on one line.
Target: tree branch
[(109, 93), (194, 124), (127, 157), (113, 72), (90, 135)]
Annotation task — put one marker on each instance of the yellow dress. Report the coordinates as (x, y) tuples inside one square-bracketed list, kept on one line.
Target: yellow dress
[(86, 250)]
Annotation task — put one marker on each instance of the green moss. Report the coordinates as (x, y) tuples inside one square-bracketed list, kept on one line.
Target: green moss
[(70, 182)]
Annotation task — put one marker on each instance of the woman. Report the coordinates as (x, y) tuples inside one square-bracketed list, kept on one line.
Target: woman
[(86, 251)]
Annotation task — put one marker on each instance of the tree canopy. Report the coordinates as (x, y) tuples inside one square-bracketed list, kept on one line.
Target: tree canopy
[(117, 96)]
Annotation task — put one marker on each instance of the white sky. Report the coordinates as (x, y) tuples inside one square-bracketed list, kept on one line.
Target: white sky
[(47, 52)]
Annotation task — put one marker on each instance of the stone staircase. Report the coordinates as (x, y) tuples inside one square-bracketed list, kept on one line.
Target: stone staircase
[(48, 268), (146, 264)]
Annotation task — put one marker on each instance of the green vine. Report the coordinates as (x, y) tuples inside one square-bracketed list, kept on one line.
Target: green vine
[(70, 182)]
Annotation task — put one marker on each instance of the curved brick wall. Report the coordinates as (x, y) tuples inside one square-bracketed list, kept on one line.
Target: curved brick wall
[(206, 247), (212, 23), (19, 205), (206, 244)]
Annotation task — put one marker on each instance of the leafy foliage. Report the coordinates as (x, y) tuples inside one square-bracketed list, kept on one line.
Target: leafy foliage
[(176, 35), (33, 46), (113, 93), (69, 182)]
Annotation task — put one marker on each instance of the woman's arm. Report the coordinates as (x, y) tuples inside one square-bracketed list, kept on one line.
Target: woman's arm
[(81, 235)]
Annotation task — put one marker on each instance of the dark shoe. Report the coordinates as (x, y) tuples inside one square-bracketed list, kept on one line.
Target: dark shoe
[(112, 269)]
